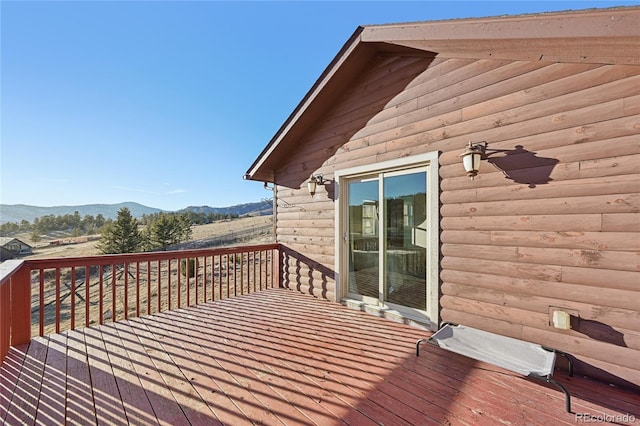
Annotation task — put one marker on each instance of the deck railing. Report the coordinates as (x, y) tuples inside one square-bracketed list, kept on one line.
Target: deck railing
[(43, 296)]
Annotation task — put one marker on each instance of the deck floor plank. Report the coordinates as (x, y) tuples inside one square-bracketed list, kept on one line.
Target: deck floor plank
[(358, 357), (165, 407), (276, 357), (11, 369), (51, 408), (296, 360), (322, 402), (289, 381), (202, 372), (109, 406), (24, 402), (279, 386), (169, 365), (244, 376), (234, 380), (334, 375), (80, 405), (136, 404), (235, 362), (367, 357)]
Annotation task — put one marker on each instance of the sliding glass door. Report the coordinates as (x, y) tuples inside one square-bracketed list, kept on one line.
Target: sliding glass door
[(405, 247), (364, 237), (387, 238)]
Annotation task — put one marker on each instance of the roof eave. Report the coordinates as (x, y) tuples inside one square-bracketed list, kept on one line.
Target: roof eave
[(607, 36), (257, 171)]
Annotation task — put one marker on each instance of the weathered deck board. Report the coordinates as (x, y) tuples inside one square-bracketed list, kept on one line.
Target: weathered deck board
[(109, 405), (25, 399), (276, 358), (54, 382), (165, 407), (137, 406), (268, 388)]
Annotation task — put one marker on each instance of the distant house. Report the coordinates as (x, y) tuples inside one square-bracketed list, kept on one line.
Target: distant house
[(11, 248), (548, 229)]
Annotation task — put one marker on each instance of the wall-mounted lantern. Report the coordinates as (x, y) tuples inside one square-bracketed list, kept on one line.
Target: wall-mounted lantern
[(313, 183), (471, 157)]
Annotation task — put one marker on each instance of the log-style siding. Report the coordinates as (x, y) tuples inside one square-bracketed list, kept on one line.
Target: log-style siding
[(552, 220)]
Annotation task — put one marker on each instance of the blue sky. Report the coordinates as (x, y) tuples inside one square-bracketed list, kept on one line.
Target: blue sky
[(169, 103)]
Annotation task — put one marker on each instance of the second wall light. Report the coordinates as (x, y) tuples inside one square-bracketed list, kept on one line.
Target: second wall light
[(471, 157), (313, 183)]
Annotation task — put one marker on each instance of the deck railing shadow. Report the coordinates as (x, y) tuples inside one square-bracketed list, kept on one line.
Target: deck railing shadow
[(271, 357), (310, 276)]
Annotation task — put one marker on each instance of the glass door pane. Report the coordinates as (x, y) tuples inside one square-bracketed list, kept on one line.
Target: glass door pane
[(405, 240), (363, 238)]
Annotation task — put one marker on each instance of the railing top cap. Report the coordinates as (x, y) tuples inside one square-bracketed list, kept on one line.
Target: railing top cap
[(143, 257), (8, 268)]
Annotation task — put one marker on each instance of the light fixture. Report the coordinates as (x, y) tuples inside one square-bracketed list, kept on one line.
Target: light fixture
[(313, 182), (471, 157)]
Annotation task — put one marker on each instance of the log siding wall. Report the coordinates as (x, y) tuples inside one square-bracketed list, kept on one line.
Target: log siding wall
[(551, 221)]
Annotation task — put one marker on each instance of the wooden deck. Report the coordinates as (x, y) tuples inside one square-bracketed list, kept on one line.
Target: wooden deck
[(255, 360)]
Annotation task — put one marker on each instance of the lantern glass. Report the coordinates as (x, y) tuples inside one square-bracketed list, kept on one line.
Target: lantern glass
[(471, 163), (311, 186), (471, 158), (467, 162)]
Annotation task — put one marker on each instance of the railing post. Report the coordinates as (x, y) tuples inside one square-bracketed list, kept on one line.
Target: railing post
[(279, 256), (21, 306), (5, 321), (15, 305)]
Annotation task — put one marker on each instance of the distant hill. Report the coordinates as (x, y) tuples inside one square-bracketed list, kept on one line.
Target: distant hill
[(18, 212), (261, 208)]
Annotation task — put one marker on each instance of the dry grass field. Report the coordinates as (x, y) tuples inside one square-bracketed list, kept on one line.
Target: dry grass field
[(245, 230)]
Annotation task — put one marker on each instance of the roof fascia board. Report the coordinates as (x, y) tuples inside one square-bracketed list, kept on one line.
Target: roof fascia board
[(618, 22), (610, 36)]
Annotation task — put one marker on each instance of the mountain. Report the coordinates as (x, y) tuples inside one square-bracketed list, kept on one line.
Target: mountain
[(261, 208), (18, 212)]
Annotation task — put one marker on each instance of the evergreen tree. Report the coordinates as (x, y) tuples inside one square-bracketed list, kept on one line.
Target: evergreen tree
[(166, 229), (121, 236), (35, 237), (100, 221), (25, 225), (8, 228)]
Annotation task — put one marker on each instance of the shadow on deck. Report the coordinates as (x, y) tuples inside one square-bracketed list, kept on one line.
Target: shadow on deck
[(277, 357)]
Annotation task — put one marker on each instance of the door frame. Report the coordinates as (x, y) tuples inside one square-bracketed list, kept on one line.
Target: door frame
[(430, 317)]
